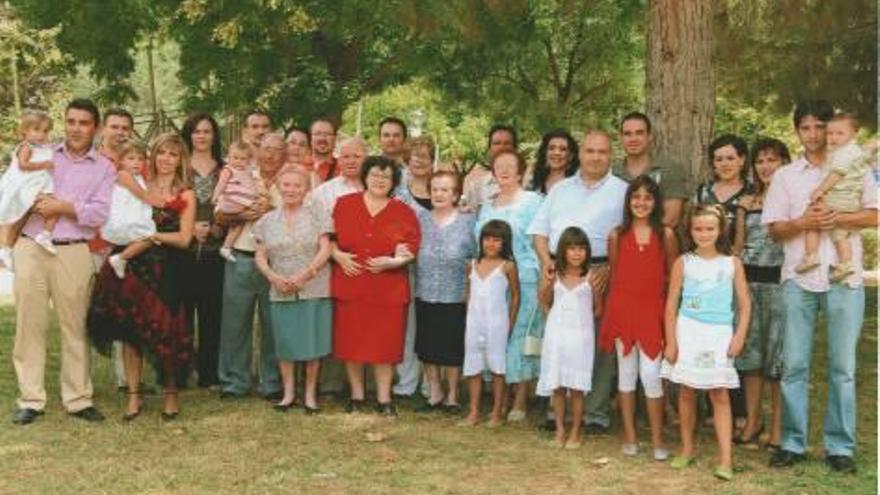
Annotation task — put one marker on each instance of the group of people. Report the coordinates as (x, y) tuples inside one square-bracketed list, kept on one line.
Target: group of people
[(576, 276)]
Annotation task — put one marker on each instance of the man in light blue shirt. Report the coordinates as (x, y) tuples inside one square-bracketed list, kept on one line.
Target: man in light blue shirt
[(593, 201)]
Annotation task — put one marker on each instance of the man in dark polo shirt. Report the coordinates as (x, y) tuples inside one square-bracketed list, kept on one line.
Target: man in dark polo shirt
[(637, 141)]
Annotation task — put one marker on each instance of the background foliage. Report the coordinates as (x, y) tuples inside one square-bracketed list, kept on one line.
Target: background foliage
[(537, 64)]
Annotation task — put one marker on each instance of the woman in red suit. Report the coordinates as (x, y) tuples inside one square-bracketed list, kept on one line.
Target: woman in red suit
[(376, 237)]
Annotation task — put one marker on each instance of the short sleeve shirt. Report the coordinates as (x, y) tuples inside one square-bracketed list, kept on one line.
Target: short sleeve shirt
[(596, 209), (443, 255), (787, 199), (668, 175), (291, 247)]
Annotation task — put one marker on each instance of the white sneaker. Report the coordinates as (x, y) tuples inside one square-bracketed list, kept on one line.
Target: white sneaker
[(661, 454), (630, 449), (6, 258), (44, 239), (516, 416), (118, 265), (226, 253)]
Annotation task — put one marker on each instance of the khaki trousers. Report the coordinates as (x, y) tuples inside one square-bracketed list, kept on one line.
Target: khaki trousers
[(66, 279)]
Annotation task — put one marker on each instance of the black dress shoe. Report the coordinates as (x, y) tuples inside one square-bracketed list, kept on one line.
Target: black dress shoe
[(89, 414), (454, 409), (386, 409), (170, 416), (355, 405), (549, 425), (311, 411), (274, 396), (786, 458), (427, 407), (841, 463), (26, 416), (283, 407), (596, 429)]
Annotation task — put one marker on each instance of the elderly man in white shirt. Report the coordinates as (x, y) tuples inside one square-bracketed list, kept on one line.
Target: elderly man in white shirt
[(352, 153), (593, 201)]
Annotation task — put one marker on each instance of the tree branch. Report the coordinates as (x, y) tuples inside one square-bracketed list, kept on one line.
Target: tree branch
[(554, 65), (590, 92)]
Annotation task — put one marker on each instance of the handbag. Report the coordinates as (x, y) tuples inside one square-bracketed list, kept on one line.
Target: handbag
[(532, 344)]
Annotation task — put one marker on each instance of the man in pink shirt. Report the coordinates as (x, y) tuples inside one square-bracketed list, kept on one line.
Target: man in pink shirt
[(788, 214), (83, 181)]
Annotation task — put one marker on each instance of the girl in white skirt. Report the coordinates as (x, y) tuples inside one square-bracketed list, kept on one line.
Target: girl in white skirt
[(568, 348), (492, 304), (700, 340), (29, 175), (130, 223)]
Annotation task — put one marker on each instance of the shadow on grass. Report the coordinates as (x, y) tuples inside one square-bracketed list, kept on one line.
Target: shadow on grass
[(244, 446)]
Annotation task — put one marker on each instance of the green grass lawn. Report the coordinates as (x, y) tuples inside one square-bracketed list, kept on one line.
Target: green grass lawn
[(246, 447)]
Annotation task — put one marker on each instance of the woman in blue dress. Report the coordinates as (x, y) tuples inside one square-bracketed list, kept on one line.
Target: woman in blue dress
[(517, 207)]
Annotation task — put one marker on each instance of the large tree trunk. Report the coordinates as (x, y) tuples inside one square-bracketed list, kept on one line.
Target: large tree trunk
[(680, 82)]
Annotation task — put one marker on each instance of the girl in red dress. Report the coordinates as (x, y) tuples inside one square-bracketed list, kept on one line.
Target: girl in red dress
[(640, 252), (376, 236)]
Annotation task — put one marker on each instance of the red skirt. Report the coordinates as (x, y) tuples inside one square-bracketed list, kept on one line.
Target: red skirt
[(368, 333)]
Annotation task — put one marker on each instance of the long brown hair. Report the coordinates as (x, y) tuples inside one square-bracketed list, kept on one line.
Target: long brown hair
[(181, 177)]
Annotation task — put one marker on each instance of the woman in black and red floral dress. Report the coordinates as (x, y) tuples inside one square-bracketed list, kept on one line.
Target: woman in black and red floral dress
[(145, 308)]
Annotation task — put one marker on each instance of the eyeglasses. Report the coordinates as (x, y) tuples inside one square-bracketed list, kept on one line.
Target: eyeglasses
[(379, 176)]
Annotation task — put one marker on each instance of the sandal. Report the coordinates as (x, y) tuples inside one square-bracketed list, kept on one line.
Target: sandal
[(128, 416), (723, 473), (752, 441), (681, 462)]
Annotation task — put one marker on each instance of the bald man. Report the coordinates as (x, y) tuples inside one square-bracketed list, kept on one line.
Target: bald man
[(593, 201), (352, 153)]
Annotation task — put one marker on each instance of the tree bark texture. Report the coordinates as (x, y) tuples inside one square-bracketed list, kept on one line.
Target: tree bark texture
[(680, 81)]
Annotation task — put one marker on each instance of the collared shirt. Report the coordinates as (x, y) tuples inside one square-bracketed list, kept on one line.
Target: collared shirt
[(327, 193), (668, 175), (292, 245), (86, 182), (788, 198), (327, 169), (596, 209)]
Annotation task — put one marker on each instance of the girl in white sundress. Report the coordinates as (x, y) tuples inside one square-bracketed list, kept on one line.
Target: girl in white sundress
[(568, 348), (700, 340), (493, 301), (29, 175), (130, 222)]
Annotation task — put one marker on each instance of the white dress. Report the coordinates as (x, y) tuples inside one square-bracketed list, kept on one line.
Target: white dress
[(130, 218), (485, 337), (704, 327), (569, 340), (19, 188)]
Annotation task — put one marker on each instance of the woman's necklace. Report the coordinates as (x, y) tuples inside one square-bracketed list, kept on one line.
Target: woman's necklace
[(164, 189)]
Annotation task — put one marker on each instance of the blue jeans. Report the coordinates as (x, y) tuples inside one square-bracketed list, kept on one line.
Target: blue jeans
[(844, 313), (243, 287)]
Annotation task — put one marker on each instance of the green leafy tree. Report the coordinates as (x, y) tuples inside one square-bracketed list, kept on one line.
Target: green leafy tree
[(458, 130), (34, 73), (771, 53), (298, 60), (543, 64)]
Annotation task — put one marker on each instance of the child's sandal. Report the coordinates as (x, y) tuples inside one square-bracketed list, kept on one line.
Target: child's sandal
[(681, 462), (723, 473)]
